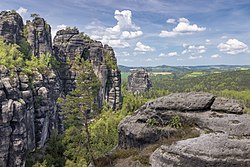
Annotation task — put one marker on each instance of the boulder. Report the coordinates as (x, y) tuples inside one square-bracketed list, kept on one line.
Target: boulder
[(227, 105), (194, 101), (227, 145), (214, 149)]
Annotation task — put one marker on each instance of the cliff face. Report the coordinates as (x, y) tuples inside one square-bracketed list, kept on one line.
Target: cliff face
[(28, 105), (28, 114), (69, 44), (11, 26), (38, 34)]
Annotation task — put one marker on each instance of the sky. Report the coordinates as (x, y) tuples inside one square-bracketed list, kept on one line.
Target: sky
[(154, 32)]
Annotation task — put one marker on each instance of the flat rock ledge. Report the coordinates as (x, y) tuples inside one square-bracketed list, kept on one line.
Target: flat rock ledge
[(214, 149), (224, 128)]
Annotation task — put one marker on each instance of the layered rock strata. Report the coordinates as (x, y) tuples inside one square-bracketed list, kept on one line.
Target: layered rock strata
[(28, 105), (68, 44), (38, 34), (138, 81), (228, 128), (11, 26), (27, 114)]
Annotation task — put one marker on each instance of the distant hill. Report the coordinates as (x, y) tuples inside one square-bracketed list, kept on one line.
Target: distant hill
[(230, 80), (208, 68)]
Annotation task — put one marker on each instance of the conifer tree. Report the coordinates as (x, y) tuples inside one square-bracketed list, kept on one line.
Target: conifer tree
[(78, 106)]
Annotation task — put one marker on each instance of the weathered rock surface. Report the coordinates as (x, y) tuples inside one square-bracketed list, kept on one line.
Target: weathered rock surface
[(138, 81), (214, 149), (38, 34), (226, 105), (28, 107), (27, 115), (11, 26), (70, 43), (183, 102), (228, 142)]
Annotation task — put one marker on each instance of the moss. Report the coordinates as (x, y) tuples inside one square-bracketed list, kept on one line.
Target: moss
[(110, 63), (85, 36)]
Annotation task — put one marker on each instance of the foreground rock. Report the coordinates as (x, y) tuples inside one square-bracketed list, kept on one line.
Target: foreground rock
[(227, 145), (215, 149)]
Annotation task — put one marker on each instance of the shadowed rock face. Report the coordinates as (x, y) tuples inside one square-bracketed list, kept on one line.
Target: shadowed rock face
[(138, 81), (226, 145), (70, 43), (27, 115), (39, 36), (29, 111), (11, 26)]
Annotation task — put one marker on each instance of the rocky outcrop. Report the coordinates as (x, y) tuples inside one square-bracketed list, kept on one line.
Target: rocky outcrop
[(38, 34), (138, 81), (28, 105), (28, 114), (11, 26), (215, 149), (68, 44), (159, 118)]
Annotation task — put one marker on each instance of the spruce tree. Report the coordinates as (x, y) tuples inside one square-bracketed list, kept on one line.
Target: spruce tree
[(77, 107)]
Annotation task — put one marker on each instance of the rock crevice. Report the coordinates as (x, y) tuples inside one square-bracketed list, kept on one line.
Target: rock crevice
[(225, 132)]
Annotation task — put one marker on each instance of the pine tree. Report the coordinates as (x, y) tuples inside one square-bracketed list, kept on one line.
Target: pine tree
[(78, 106)]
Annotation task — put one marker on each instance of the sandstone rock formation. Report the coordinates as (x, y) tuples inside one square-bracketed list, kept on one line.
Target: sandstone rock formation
[(70, 43), (38, 34), (214, 149), (27, 114), (28, 104), (227, 143), (138, 81), (11, 26)]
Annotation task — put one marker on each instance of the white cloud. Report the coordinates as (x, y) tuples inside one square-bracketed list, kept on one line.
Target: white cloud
[(117, 36), (208, 42), (171, 21), (233, 46), (148, 60), (126, 60), (215, 56), (57, 28), (139, 53), (143, 48), (116, 43), (21, 11), (171, 54), (183, 28), (180, 59), (195, 57), (193, 49), (131, 35), (122, 54), (202, 51), (224, 37)]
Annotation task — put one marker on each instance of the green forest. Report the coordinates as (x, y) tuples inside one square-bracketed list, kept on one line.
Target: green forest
[(103, 132)]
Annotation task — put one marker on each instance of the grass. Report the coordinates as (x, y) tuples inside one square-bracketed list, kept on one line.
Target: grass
[(124, 76), (195, 74)]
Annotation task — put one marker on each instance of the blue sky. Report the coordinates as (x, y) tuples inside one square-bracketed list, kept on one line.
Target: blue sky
[(154, 32)]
